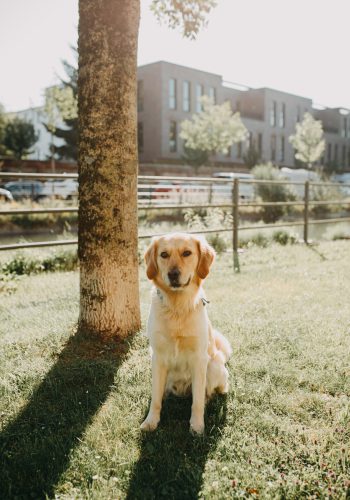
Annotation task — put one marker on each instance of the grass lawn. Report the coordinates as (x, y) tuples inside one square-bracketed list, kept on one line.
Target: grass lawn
[(70, 408)]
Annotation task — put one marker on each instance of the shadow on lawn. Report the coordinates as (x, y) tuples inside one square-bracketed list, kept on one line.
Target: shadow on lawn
[(172, 461), (35, 447)]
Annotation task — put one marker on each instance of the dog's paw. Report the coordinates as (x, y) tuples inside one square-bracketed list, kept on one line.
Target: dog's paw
[(149, 424), (197, 426)]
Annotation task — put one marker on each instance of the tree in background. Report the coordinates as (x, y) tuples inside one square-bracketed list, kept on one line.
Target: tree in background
[(108, 162), (271, 192), (19, 137), (252, 156), (214, 130), (308, 140), (61, 105), (195, 157)]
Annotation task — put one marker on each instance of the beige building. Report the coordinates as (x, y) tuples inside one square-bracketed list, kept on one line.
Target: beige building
[(169, 93)]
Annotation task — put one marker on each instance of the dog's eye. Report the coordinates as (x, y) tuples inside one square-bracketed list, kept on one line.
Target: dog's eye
[(186, 253), (164, 255)]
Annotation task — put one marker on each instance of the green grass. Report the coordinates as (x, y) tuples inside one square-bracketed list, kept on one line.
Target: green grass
[(70, 407)]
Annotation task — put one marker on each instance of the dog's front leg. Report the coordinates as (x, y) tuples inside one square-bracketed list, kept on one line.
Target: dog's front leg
[(159, 374), (199, 372)]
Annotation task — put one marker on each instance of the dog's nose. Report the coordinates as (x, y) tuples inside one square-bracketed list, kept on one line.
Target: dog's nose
[(173, 275)]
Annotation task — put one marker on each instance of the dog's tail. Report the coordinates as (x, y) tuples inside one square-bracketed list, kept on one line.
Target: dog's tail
[(223, 345)]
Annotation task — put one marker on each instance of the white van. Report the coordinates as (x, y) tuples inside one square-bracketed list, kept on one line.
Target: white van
[(223, 191)]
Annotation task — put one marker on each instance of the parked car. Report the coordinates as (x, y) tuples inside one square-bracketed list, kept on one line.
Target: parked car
[(25, 189), (66, 189), (5, 195), (343, 179), (299, 175), (224, 191)]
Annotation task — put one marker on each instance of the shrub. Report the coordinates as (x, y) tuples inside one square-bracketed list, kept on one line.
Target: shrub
[(7, 283), (341, 236), (217, 242), (283, 237), (271, 192), (258, 239), (21, 264), (324, 193)]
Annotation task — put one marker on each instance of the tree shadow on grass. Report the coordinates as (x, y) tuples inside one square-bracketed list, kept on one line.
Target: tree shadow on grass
[(172, 461), (316, 251), (35, 447)]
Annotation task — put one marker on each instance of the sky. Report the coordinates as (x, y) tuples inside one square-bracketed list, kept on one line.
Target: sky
[(297, 46)]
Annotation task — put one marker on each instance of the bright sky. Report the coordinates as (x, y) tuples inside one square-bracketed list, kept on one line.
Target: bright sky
[(298, 46)]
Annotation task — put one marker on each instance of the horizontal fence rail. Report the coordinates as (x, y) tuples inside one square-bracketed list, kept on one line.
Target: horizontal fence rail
[(164, 186)]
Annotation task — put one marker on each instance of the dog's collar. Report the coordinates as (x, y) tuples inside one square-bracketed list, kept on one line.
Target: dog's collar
[(160, 295)]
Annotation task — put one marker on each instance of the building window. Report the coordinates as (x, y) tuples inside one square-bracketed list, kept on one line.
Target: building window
[(250, 140), (282, 148), (172, 137), (344, 131), (273, 148), (199, 93), (140, 137), (229, 150), (344, 156), (239, 149), (140, 95), (283, 115), (186, 96), (172, 93), (238, 107), (260, 138), (329, 153), (212, 94), (273, 112), (349, 157), (336, 153), (297, 118)]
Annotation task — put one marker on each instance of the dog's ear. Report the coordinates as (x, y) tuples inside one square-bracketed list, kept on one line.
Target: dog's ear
[(206, 258), (151, 260)]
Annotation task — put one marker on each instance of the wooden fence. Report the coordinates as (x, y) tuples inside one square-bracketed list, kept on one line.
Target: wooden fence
[(148, 185)]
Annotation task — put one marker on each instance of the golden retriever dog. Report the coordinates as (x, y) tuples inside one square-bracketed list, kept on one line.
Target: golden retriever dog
[(187, 354)]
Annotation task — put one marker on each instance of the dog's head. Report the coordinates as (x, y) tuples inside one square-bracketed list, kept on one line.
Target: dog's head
[(176, 260)]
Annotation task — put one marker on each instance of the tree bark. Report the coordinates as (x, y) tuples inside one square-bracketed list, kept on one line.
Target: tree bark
[(108, 167)]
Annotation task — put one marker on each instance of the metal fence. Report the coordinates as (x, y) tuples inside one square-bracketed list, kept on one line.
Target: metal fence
[(162, 193)]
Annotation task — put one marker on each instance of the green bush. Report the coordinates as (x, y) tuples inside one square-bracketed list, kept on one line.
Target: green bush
[(341, 236), (258, 239), (217, 242), (284, 237), (271, 192), (24, 265), (324, 193)]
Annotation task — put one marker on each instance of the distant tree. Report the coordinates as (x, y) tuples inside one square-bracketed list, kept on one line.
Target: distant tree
[(61, 104), (214, 129), (19, 137), (108, 162), (195, 157), (252, 156), (308, 140), (189, 15), (271, 192), (330, 168)]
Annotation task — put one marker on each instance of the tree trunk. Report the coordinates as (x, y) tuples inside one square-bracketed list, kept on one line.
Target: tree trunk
[(108, 167)]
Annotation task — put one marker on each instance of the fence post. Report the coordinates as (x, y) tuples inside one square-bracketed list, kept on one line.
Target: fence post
[(306, 212), (210, 193), (235, 214)]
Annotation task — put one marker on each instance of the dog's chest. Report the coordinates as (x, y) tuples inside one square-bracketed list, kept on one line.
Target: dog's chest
[(176, 336)]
